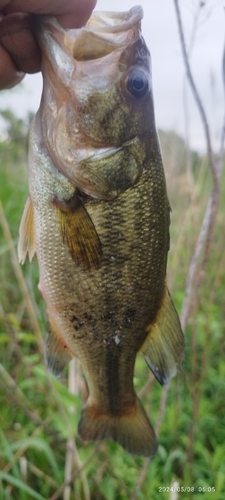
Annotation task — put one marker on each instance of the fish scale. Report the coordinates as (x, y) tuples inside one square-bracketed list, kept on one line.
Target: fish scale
[(98, 218)]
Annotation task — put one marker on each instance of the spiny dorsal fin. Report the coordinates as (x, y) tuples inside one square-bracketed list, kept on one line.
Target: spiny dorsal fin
[(57, 354), (163, 348), (26, 242), (79, 233)]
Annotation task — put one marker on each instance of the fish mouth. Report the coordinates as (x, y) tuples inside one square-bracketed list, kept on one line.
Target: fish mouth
[(104, 33), (114, 22)]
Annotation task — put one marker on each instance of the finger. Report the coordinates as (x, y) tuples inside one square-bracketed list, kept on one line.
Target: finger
[(4, 3), (70, 13), (17, 39), (76, 13), (9, 75)]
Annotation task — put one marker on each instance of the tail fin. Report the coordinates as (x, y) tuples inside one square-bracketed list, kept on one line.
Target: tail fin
[(132, 430)]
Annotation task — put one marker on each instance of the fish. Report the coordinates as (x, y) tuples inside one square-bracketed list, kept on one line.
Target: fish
[(97, 216)]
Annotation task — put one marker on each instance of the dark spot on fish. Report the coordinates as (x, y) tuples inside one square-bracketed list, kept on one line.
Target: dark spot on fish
[(107, 316), (87, 316), (110, 318), (78, 325), (129, 315)]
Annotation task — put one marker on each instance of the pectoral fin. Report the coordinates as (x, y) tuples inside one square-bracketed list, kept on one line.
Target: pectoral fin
[(79, 233), (26, 233), (163, 348), (57, 354)]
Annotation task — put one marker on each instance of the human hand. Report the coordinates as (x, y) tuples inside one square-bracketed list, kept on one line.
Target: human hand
[(19, 51)]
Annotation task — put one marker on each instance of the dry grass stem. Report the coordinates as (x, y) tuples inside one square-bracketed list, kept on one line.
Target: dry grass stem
[(162, 407), (19, 453), (72, 456), (13, 387), (147, 386), (20, 278), (40, 474), (75, 474), (147, 461), (174, 495), (141, 478)]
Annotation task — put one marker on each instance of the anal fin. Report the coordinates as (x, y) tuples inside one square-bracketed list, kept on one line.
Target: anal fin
[(57, 354), (26, 242), (79, 233), (163, 348)]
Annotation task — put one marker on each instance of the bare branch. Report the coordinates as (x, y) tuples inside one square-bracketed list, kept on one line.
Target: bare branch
[(196, 96), (205, 236)]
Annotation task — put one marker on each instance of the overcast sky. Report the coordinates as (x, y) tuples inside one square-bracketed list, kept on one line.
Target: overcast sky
[(161, 35)]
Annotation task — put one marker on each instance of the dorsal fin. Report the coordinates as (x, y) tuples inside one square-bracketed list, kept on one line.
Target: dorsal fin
[(79, 233), (26, 242)]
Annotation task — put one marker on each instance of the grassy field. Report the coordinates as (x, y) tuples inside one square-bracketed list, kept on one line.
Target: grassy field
[(40, 454)]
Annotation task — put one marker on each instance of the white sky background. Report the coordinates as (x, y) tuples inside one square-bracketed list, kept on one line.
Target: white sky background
[(161, 35)]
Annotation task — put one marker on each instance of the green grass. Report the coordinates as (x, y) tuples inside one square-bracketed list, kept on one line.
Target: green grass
[(39, 415)]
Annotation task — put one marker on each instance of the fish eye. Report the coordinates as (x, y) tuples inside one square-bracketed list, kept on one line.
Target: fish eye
[(137, 83)]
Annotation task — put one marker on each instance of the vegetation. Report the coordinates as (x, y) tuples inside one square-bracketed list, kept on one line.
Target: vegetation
[(40, 454)]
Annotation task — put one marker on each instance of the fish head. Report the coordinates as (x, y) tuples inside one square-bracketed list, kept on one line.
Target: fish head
[(117, 106), (97, 91), (112, 87)]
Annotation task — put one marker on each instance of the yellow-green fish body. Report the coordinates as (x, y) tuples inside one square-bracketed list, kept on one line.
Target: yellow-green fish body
[(97, 216)]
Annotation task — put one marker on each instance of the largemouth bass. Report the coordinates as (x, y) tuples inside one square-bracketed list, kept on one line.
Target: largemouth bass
[(98, 218)]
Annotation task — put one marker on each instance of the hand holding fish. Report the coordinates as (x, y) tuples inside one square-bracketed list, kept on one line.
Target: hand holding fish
[(19, 51)]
